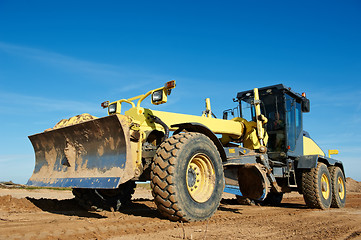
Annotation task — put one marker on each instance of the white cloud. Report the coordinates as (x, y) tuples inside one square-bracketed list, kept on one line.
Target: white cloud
[(122, 79), (60, 60), (13, 103), (102, 72)]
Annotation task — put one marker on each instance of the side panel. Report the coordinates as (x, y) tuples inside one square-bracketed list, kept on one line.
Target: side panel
[(311, 148), (312, 154), (217, 126)]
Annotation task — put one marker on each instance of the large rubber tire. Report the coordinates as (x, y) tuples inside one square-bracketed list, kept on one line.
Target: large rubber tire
[(316, 187), (105, 199), (187, 177), (338, 185)]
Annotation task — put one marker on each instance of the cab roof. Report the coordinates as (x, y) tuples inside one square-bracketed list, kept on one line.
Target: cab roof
[(279, 87)]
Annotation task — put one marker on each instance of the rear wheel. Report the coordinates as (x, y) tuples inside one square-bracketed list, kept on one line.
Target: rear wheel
[(338, 186), (187, 177), (105, 199), (316, 187)]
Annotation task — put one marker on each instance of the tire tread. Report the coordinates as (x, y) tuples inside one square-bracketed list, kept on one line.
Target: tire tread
[(335, 203), (162, 180), (310, 188)]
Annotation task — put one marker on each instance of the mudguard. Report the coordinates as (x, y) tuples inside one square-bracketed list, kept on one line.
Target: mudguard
[(310, 161), (92, 154)]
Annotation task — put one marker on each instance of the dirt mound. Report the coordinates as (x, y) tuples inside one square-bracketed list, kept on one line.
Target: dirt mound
[(54, 204), (73, 120), (11, 204), (353, 185)]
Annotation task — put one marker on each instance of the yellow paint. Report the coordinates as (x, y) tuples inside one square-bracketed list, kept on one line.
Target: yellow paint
[(257, 106), (311, 148), (332, 152), (252, 133), (208, 112), (218, 126), (250, 138), (166, 90), (325, 186), (232, 150), (341, 188), (140, 116), (200, 178)]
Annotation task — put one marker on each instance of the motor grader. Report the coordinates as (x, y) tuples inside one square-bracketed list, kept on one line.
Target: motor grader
[(260, 153)]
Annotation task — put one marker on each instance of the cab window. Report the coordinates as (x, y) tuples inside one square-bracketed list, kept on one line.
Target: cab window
[(291, 122), (298, 119)]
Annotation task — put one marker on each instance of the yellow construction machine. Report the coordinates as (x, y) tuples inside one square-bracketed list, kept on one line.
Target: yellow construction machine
[(260, 153)]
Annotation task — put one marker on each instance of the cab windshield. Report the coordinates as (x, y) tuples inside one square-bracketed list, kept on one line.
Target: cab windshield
[(272, 107)]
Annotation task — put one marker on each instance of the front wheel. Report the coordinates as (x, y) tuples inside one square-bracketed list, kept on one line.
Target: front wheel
[(316, 187), (187, 177)]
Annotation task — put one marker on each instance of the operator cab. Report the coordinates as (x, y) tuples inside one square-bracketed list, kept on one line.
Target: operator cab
[(283, 109)]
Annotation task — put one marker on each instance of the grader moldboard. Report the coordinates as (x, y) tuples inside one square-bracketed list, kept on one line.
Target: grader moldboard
[(260, 158)]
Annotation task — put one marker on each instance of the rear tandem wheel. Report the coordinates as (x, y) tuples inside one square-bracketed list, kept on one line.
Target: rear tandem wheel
[(316, 187), (338, 186)]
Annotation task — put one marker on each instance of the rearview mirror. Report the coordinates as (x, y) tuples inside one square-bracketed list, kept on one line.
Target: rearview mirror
[(305, 105)]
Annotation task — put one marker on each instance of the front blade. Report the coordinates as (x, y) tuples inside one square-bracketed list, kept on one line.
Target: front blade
[(92, 154)]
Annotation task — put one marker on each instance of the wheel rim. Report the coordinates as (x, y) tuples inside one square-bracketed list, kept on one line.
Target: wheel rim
[(341, 187), (200, 178), (325, 186)]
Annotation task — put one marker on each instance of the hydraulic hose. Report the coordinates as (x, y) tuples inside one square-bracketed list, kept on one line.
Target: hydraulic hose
[(166, 128)]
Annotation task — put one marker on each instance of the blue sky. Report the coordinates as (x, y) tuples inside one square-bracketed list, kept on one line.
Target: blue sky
[(63, 58)]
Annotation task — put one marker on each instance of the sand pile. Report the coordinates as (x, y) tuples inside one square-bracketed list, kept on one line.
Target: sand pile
[(353, 185), (11, 204)]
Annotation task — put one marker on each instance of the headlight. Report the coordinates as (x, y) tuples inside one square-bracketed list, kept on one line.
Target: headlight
[(112, 108), (157, 96)]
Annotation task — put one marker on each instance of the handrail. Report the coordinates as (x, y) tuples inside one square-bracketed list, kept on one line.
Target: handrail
[(168, 86), (127, 101)]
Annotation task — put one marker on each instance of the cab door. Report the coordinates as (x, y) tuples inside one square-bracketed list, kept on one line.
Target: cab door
[(293, 126)]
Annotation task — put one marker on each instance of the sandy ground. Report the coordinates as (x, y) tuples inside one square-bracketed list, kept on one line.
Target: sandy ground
[(53, 214)]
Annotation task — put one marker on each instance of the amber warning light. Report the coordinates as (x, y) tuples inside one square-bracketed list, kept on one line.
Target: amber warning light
[(170, 84)]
